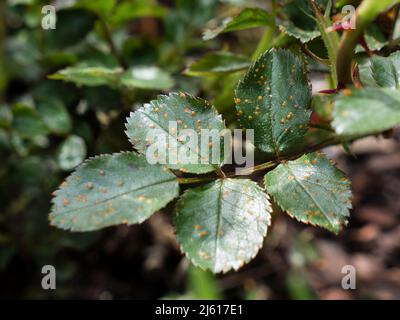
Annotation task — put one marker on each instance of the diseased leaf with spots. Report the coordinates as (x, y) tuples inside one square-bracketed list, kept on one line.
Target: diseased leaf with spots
[(366, 111), (112, 189), (274, 99), (312, 190), (222, 225), (381, 71), (218, 63), (170, 129), (246, 19)]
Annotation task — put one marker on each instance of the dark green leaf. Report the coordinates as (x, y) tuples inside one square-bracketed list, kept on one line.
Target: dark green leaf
[(55, 115), (27, 122), (72, 27), (246, 19), (299, 20), (112, 189), (143, 77), (218, 63), (222, 225), (102, 98), (312, 190), (187, 112), (274, 99), (368, 111), (48, 89)]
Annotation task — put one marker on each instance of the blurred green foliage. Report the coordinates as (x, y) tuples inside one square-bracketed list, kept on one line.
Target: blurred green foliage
[(47, 126)]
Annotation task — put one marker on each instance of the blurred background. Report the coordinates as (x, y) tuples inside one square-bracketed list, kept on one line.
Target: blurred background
[(48, 126)]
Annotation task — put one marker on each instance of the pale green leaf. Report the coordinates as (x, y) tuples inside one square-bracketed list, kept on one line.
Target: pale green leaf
[(147, 77), (222, 225), (89, 76), (303, 35), (142, 77), (112, 189), (366, 111), (312, 190), (72, 152), (381, 71)]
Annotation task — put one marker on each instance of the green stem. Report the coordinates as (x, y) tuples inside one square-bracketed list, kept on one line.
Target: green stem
[(331, 39), (260, 167), (194, 180), (314, 56), (220, 173), (366, 13), (272, 164), (266, 40), (111, 44)]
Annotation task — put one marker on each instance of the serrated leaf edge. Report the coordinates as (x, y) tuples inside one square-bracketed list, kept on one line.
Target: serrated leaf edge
[(246, 261), (83, 165), (343, 221)]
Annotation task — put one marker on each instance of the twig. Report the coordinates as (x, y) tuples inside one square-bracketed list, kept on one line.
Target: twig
[(266, 165), (194, 180), (331, 39), (111, 44), (312, 55)]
